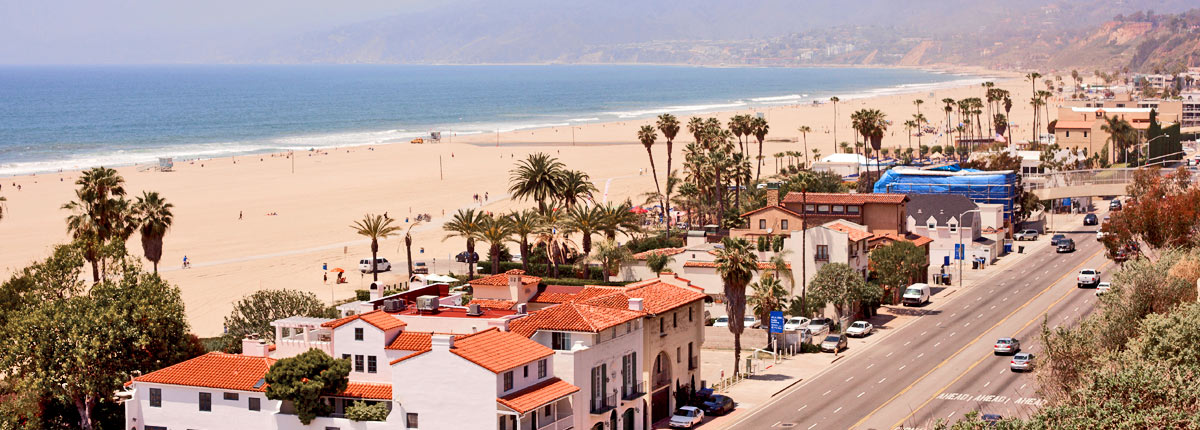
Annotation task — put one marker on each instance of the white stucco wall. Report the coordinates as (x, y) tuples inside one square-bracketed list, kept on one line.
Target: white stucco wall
[(373, 343), (181, 408), (592, 350), (446, 391)]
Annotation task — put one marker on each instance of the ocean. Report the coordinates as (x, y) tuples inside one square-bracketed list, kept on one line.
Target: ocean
[(71, 117)]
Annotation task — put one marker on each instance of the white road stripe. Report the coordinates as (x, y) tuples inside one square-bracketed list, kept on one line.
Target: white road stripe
[(902, 367), (870, 365), (801, 408), (848, 379), (920, 355), (837, 410), (936, 344), (827, 393), (906, 343), (861, 394), (986, 384), (1022, 387), (981, 315), (888, 354), (923, 333), (881, 381), (993, 306), (810, 427)]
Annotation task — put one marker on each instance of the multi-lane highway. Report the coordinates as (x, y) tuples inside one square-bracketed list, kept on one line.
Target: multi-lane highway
[(941, 365)]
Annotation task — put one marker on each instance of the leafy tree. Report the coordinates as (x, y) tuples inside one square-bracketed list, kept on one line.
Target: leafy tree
[(658, 261), (538, 177), (842, 286), (669, 126), (99, 214), (304, 378), (377, 228), (362, 411), (611, 255), (56, 278), (153, 219), (585, 220), (524, 224), (897, 265), (769, 295), (408, 240), (736, 265), (254, 313), (495, 231), (466, 224)]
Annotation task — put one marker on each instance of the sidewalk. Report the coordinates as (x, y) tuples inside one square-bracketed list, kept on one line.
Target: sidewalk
[(770, 379)]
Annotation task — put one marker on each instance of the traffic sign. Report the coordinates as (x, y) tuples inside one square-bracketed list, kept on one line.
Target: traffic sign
[(776, 322)]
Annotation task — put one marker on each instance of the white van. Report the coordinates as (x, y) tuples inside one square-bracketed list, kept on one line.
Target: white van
[(916, 294), (381, 264)]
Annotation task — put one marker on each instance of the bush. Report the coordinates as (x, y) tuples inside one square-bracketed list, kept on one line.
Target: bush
[(363, 411), (362, 295), (654, 242), (806, 348)]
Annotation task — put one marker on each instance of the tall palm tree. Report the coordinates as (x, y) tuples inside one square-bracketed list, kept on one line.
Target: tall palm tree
[(804, 130), (780, 268), (618, 218), (585, 220), (574, 185), (918, 103), (695, 126), (908, 127), (647, 135), (611, 255), (1032, 77), (759, 129), (377, 228), (408, 240), (1119, 132), (835, 101), (657, 262), (919, 119), (466, 223), (538, 177), (736, 265), (495, 230), (552, 235), (154, 219), (768, 296), (84, 232), (100, 214), (669, 126), (524, 223), (2, 200)]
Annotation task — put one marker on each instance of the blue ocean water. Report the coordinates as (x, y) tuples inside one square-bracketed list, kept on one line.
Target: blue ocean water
[(74, 117)]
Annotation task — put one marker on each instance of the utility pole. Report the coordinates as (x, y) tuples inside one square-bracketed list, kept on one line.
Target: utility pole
[(440, 176)]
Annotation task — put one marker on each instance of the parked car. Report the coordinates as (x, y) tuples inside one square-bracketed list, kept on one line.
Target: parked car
[(721, 321), (860, 329), (1102, 288), (687, 417), (795, 323), (819, 325), (751, 322), (1006, 345), (1066, 245), (718, 405), (1022, 362), (833, 343), (1091, 219), (1089, 277), (1100, 235), (1114, 205), (1054, 240), (381, 265), (916, 294), (1027, 234), (462, 257)]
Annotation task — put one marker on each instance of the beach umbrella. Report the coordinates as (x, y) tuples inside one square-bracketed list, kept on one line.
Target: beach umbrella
[(338, 269), (638, 210)]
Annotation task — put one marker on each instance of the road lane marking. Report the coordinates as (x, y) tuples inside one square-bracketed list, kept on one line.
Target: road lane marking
[(953, 314), (860, 394), (881, 381), (981, 315), (848, 379), (888, 354), (1004, 299), (902, 366), (923, 333), (993, 307), (1068, 293), (906, 343), (964, 347), (1022, 387), (801, 408), (827, 393), (986, 384), (920, 355), (810, 427), (837, 410), (936, 344), (870, 365)]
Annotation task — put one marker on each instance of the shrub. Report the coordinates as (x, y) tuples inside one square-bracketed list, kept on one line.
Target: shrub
[(363, 411)]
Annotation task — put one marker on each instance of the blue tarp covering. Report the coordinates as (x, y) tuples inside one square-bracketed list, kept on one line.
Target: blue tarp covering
[(998, 188)]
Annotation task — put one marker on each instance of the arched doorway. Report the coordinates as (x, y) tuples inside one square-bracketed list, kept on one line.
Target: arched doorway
[(627, 419), (598, 426), (660, 383), (612, 419)]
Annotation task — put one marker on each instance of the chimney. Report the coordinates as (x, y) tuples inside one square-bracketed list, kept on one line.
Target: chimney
[(441, 342), (636, 304), (252, 346), (773, 194), (376, 290), (514, 279)]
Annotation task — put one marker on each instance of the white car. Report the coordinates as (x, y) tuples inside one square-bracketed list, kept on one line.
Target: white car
[(750, 322), (795, 323), (381, 264), (1102, 288), (860, 329), (1099, 235), (687, 417), (721, 321)]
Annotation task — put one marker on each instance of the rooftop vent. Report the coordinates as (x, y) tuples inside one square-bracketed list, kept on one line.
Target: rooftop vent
[(521, 309), (474, 310), (427, 303)]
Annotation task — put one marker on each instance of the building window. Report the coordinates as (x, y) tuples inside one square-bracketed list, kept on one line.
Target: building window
[(628, 327), (783, 224), (674, 319), (255, 404), (690, 312), (852, 209), (762, 224), (678, 354), (345, 356), (371, 367), (542, 368), (953, 227), (932, 225), (206, 402), (156, 397), (809, 208), (1085, 134), (662, 325), (508, 380), (358, 333), (525, 371), (822, 253), (547, 409), (837, 209), (358, 363), (560, 341), (1068, 132), (823, 208), (411, 419), (230, 396)]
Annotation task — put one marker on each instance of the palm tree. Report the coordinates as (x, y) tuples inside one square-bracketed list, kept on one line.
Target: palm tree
[(495, 230), (408, 240), (1032, 77), (466, 223), (154, 219), (804, 130), (647, 135), (918, 103), (585, 220), (736, 265), (669, 126), (552, 235), (538, 177), (82, 226), (759, 128), (2, 200), (1119, 132), (778, 267), (524, 223), (658, 262), (918, 119), (574, 185), (618, 218), (100, 213), (835, 100), (769, 296), (611, 256), (375, 227), (908, 126)]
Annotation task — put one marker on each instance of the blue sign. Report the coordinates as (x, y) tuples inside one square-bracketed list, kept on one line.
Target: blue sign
[(958, 251), (776, 322)]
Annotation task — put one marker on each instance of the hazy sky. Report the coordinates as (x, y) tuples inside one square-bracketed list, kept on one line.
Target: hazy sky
[(118, 31)]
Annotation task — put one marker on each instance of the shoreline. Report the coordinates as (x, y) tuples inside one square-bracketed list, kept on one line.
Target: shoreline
[(364, 137)]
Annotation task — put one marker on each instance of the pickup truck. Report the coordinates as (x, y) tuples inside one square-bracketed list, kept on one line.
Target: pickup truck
[(1089, 277)]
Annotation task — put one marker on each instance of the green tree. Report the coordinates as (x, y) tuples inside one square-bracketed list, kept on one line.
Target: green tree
[(842, 286), (585, 220), (154, 219), (574, 186), (647, 135), (495, 231), (669, 126), (56, 278), (99, 214), (408, 240), (362, 411), (768, 296), (759, 129), (611, 255), (804, 131), (538, 177), (619, 218), (304, 378), (736, 265), (658, 262), (253, 314), (466, 224), (524, 223), (376, 228), (897, 265)]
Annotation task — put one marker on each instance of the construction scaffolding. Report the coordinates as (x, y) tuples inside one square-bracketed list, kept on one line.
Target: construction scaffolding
[(999, 187)]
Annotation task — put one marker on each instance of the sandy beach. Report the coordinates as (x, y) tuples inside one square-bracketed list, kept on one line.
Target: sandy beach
[(315, 205)]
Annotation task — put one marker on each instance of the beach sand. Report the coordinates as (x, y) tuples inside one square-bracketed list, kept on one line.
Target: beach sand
[(331, 188)]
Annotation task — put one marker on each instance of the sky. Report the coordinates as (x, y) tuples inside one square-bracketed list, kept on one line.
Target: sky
[(124, 31)]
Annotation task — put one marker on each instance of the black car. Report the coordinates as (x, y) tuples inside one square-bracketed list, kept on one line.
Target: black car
[(1090, 219), (462, 257), (1066, 245), (1114, 205), (1056, 239), (992, 419), (718, 405)]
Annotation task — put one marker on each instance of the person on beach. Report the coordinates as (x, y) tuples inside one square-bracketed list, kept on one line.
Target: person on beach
[(185, 262), (239, 215), (326, 281)]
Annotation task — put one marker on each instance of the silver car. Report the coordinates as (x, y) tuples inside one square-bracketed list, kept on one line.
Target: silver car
[(1022, 362), (833, 343), (1006, 345)]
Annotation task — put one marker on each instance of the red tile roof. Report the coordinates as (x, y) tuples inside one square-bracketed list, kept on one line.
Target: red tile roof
[(410, 341), (214, 370), (845, 198), (499, 351), (713, 264), (657, 297), (780, 208), (378, 318), (493, 304), (367, 390), (854, 233), (916, 239), (501, 279), (1073, 125), (537, 395), (665, 251), (573, 316)]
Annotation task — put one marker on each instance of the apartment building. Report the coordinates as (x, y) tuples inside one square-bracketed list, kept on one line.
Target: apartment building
[(833, 242), (880, 212), (950, 220)]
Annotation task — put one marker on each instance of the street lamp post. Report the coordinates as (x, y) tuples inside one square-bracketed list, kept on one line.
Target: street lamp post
[(1147, 145), (960, 245)]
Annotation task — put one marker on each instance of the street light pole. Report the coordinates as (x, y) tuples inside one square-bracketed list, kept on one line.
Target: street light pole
[(960, 245), (1147, 145)]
